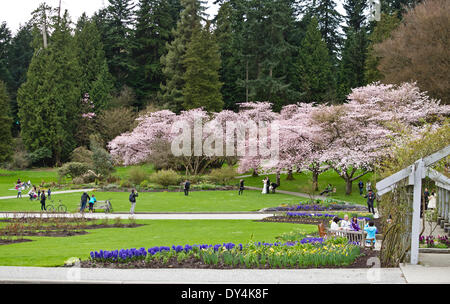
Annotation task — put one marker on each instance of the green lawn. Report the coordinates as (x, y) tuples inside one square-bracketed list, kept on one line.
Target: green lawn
[(9, 178), (53, 251), (302, 183), (197, 201)]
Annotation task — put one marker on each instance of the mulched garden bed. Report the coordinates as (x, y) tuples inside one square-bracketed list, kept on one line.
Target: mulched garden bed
[(192, 262), (7, 242), (68, 232)]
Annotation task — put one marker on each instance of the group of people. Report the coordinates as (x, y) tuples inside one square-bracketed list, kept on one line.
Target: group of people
[(85, 199), (34, 193), (347, 225), (328, 189), (268, 187), (429, 201)]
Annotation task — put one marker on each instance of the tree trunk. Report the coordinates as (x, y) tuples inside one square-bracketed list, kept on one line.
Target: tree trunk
[(255, 173), (278, 178), (348, 186), (315, 177)]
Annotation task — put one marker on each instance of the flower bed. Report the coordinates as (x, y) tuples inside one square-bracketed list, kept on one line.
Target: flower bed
[(430, 241), (318, 205), (307, 253)]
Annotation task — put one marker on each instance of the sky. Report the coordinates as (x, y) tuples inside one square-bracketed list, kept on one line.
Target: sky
[(16, 12)]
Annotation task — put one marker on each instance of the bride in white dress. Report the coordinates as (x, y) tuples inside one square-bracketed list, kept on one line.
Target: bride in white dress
[(264, 190), (432, 201)]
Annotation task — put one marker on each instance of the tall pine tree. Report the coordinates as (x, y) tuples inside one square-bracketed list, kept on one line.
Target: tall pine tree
[(314, 66), (354, 52), (172, 62), (20, 54), (95, 77), (202, 63), (116, 22), (5, 126), (155, 20), (49, 100)]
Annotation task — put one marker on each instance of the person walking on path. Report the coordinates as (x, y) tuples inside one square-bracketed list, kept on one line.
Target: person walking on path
[(132, 199), (241, 187), (43, 201), (361, 187), (84, 199), (370, 200), (187, 185), (91, 203), (19, 192), (368, 187)]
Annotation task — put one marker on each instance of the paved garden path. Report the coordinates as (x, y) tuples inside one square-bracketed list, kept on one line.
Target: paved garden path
[(321, 197), (25, 195), (403, 274)]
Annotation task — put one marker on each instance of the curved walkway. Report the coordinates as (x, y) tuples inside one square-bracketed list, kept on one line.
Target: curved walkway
[(24, 195)]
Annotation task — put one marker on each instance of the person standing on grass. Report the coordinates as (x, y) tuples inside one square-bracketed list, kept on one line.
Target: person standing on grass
[(241, 187), (91, 203), (361, 187), (84, 199), (43, 201), (187, 185), (19, 192), (132, 199), (368, 186), (48, 193)]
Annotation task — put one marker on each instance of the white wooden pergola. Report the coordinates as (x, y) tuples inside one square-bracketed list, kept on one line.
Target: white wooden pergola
[(414, 175)]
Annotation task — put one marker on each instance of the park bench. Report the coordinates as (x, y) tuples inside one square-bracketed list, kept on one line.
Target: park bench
[(102, 205), (356, 237)]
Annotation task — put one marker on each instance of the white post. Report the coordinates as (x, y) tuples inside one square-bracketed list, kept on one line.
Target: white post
[(417, 198), (446, 204)]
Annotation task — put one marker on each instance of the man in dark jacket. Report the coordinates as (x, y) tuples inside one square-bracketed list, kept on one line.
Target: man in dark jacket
[(187, 185), (370, 200), (361, 187), (132, 199), (84, 199), (241, 187), (43, 201)]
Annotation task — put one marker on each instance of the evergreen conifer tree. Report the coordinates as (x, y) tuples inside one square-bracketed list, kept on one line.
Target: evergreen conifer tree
[(202, 63), (314, 66), (172, 62), (5, 125)]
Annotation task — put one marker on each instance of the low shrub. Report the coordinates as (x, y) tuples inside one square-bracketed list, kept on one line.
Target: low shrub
[(165, 178), (144, 184), (137, 175), (125, 183), (222, 176), (73, 169)]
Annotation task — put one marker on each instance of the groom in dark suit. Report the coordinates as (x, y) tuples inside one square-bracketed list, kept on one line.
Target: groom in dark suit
[(268, 184)]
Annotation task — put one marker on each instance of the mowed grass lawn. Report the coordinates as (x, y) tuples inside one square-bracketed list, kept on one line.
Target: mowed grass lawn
[(196, 201), (54, 251), (8, 178), (302, 183)]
